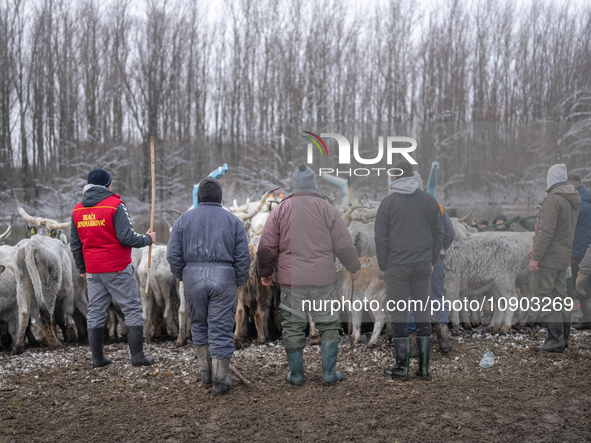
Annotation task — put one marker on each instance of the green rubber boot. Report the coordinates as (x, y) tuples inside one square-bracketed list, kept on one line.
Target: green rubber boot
[(296, 364), (330, 352)]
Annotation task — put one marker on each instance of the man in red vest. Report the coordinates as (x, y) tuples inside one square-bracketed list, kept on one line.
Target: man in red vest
[(101, 240)]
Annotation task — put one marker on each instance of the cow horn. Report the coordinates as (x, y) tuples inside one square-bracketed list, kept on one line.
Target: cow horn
[(8, 230), (176, 211), (352, 198), (369, 215), (54, 226), (250, 215), (465, 217), (31, 220), (235, 205), (165, 221), (347, 214)]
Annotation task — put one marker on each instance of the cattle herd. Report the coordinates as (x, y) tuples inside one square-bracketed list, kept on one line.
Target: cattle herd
[(41, 289)]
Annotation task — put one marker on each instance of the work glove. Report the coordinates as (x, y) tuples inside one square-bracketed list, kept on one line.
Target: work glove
[(380, 276), (582, 281)]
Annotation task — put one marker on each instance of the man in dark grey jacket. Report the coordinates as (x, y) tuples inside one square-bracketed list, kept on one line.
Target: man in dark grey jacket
[(208, 251), (409, 238)]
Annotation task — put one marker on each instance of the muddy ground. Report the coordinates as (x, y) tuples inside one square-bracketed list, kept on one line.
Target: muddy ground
[(50, 396)]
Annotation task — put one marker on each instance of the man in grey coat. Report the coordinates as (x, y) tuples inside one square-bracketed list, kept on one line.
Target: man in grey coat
[(208, 251)]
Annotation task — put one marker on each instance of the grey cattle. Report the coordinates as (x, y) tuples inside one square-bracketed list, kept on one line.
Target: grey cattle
[(363, 238), (162, 293), (8, 306), (80, 298), (484, 264), (43, 279), (523, 280)]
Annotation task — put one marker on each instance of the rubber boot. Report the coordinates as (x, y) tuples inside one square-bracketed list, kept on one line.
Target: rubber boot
[(135, 339), (585, 322), (219, 374), (566, 327), (204, 357), (330, 352), (402, 355), (95, 339), (296, 364), (424, 344), (443, 338), (555, 340)]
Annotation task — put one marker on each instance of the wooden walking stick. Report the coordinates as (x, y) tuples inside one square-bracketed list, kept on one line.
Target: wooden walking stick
[(153, 205), (349, 324)]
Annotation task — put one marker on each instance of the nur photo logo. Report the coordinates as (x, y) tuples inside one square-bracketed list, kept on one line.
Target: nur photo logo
[(394, 145)]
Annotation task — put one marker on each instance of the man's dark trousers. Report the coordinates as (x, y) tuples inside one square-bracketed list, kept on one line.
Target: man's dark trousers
[(416, 279)]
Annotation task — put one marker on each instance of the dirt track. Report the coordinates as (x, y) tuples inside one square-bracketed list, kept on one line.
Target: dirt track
[(51, 396)]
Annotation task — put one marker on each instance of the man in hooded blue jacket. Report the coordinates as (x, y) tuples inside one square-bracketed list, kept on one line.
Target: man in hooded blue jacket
[(208, 251), (581, 242)]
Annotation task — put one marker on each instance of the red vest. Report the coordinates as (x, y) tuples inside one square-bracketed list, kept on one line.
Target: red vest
[(101, 248)]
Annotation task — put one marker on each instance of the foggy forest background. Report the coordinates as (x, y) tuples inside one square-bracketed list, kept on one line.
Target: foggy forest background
[(496, 91)]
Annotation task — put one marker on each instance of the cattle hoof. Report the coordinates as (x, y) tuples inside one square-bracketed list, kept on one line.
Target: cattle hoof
[(467, 326), (18, 349), (475, 324), (56, 345), (505, 328), (180, 343), (371, 345), (455, 329)]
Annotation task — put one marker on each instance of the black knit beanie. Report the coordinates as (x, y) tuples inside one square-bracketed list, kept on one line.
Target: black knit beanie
[(99, 177)]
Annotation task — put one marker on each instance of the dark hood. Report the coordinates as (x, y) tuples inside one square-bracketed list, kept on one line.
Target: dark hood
[(210, 190), (94, 194)]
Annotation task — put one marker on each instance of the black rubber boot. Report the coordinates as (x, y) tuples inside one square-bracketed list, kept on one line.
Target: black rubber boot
[(204, 357), (95, 339), (585, 322), (566, 327), (424, 344), (402, 355), (555, 340), (135, 339), (219, 373), (443, 338)]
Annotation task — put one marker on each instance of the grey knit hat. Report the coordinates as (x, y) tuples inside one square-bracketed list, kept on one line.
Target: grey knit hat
[(304, 179)]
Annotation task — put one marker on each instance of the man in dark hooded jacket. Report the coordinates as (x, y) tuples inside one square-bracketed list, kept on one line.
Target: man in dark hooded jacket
[(581, 242), (101, 240), (409, 238), (208, 251), (551, 254)]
